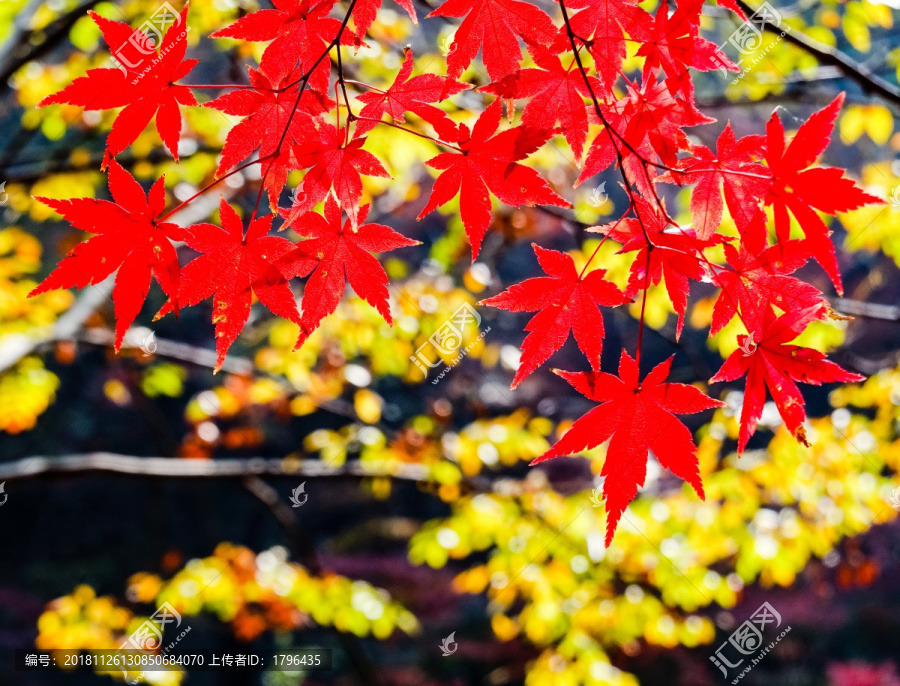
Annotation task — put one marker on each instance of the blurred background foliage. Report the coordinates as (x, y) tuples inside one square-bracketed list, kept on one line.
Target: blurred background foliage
[(423, 517)]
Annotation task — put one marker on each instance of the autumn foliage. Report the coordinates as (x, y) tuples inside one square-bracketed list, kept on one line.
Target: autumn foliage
[(566, 72)]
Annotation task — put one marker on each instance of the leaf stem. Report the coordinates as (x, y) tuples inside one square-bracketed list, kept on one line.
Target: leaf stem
[(605, 236), (210, 185), (364, 85), (336, 41), (219, 86), (646, 291)]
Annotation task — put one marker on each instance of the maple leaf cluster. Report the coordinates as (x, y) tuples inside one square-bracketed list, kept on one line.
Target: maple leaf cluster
[(297, 116)]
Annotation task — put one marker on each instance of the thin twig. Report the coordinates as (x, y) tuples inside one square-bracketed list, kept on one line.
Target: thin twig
[(858, 308)]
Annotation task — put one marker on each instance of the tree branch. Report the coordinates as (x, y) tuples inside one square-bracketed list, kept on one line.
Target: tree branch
[(220, 468), (175, 350), (24, 45), (860, 308), (867, 80), (64, 165)]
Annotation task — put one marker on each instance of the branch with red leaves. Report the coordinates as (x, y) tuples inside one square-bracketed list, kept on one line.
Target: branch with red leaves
[(292, 120)]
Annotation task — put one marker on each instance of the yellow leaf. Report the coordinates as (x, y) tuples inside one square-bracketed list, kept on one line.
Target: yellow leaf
[(852, 124), (367, 405), (879, 123)]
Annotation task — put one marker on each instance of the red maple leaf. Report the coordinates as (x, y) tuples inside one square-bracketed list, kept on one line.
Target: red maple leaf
[(603, 23), (232, 268), (339, 252), (673, 253), (802, 191), (745, 183), (557, 94), (652, 112), (366, 11), (651, 119), (268, 109), (756, 282), (636, 417), (299, 30), (129, 238), (495, 27), (144, 93), (673, 43), (644, 122), (335, 167), (774, 364), (410, 95), (565, 301), (489, 164)]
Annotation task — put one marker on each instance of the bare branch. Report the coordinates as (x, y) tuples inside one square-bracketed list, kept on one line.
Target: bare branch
[(861, 308), (220, 468), (867, 80), (175, 350), (22, 46)]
